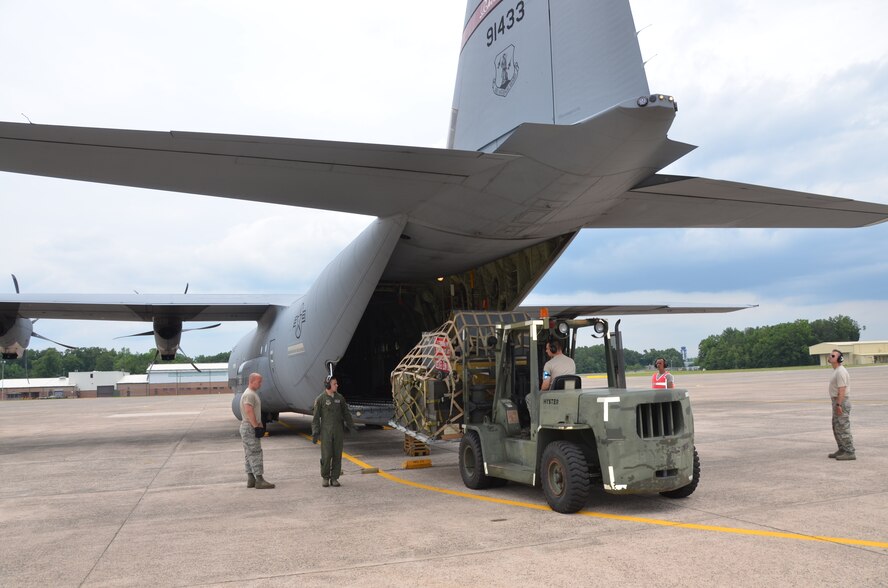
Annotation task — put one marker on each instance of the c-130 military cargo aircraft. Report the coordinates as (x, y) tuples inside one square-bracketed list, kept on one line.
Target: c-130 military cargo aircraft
[(553, 129)]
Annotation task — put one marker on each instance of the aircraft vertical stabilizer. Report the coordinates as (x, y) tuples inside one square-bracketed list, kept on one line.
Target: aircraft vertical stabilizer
[(550, 62)]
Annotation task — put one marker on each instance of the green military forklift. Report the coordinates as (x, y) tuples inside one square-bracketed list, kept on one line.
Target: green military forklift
[(632, 441)]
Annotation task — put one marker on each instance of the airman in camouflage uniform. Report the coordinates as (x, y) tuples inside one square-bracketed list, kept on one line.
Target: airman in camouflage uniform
[(331, 417), (251, 430), (839, 393)]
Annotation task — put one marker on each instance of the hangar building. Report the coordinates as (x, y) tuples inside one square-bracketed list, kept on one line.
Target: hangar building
[(161, 380), (855, 352), (177, 379)]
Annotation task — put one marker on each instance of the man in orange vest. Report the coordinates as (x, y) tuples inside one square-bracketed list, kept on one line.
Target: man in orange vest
[(662, 378)]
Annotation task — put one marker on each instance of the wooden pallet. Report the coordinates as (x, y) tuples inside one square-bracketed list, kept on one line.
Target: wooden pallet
[(414, 447)]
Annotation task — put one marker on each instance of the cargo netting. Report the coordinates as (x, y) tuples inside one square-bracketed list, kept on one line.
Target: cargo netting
[(429, 384)]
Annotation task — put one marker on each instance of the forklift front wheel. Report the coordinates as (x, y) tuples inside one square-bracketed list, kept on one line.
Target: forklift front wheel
[(565, 477)]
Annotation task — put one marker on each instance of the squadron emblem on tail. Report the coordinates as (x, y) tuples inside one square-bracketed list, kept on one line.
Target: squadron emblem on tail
[(505, 71)]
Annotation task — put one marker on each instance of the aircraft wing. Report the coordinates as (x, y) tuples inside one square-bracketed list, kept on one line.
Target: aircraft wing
[(664, 201), (569, 312), (141, 307)]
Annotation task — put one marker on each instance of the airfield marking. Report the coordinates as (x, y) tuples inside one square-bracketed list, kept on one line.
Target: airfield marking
[(603, 515), (128, 415)]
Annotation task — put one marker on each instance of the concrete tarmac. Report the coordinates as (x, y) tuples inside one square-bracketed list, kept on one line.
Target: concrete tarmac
[(151, 491)]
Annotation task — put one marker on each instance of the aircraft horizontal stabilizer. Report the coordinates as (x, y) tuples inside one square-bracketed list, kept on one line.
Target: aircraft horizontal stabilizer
[(376, 180), (664, 201), (545, 180)]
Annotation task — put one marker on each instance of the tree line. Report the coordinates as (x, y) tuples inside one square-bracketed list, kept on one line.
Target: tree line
[(52, 363), (781, 345), (590, 360)]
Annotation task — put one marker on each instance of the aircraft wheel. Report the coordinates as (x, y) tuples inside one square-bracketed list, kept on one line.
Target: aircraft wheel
[(686, 491), (471, 463), (565, 477)]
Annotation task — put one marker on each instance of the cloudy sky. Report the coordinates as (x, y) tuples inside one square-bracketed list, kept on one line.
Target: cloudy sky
[(793, 96)]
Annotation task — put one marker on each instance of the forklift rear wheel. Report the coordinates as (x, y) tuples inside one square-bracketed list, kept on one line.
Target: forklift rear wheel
[(686, 491), (471, 464)]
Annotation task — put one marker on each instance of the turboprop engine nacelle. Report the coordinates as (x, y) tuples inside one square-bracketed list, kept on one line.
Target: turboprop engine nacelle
[(15, 336), (167, 336)]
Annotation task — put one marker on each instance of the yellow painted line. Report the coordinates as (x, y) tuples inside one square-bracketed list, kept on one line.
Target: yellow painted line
[(602, 515), (736, 531), (392, 478), (663, 523)]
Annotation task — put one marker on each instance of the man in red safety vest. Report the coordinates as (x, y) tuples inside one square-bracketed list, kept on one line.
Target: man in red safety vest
[(662, 378)]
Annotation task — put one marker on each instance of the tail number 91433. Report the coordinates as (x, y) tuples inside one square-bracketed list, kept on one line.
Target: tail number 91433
[(512, 17)]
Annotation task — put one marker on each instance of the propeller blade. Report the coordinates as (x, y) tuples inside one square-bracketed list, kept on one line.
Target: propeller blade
[(52, 341), (202, 328), (136, 335), (186, 288), (185, 355), (153, 361), (16, 282)]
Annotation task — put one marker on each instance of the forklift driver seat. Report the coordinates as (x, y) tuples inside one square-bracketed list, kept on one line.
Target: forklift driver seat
[(571, 382)]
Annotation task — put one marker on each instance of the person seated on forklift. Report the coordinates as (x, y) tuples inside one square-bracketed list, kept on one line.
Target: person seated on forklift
[(558, 364)]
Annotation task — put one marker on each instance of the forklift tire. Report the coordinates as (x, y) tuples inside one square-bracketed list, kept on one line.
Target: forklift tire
[(686, 491), (471, 463), (564, 475)]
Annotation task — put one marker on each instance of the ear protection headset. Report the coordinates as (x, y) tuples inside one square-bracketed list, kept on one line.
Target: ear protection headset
[(328, 383), (841, 357), (663, 359), (553, 346)]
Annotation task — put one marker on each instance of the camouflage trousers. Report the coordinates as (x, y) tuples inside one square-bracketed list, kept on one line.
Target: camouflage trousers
[(252, 449), (841, 425)]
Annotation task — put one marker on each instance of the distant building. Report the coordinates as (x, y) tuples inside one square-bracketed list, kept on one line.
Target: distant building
[(855, 352), (23, 389), (95, 384), (133, 385), (177, 379), (75, 385), (161, 380)]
